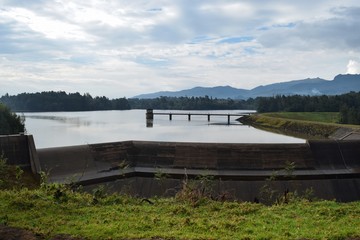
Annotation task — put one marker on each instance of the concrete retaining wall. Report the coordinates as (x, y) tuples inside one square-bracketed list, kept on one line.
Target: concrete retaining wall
[(20, 150), (331, 168)]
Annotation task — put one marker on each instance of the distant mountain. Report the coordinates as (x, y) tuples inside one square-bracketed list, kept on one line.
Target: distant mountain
[(311, 86), (308, 86), (216, 92)]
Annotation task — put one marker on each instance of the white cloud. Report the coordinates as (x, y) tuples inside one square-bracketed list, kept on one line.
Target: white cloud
[(353, 67), (50, 28), (125, 48)]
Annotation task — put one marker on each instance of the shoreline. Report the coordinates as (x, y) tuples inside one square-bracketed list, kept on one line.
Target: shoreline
[(309, 130)]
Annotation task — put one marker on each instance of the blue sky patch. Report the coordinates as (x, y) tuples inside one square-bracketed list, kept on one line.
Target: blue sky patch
[(233, 40), (200, 39)]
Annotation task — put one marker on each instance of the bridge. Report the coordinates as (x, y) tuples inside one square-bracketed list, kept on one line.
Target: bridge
[(150, 114)]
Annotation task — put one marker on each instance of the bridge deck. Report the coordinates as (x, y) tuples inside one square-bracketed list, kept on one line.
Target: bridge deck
[(150, 114), (202, 114)]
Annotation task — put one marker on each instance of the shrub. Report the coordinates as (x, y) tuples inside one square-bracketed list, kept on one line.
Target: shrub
[(10, 123)]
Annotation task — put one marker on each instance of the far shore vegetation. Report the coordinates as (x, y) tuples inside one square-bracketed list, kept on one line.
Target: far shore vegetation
[(347, 106)]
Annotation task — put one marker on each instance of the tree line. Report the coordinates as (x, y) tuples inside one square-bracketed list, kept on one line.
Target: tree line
[(191, 103), (347, 104), (62, 101)]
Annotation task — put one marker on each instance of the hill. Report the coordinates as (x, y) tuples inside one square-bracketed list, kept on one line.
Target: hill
[(218, 92), (311, 86)]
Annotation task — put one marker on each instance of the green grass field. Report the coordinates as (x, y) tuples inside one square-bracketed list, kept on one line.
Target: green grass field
[(306, 125), (325, 117), (301, 125), (122, 217), (50, 210)]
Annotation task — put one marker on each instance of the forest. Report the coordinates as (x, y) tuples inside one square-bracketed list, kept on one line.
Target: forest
[(61, 101), (191, 103), (347, 104)]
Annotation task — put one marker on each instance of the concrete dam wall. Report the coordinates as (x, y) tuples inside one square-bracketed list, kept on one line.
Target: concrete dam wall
[(19, 149), (331, 169)]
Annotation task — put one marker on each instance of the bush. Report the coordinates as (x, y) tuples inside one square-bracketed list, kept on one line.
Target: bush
[(10, 123)]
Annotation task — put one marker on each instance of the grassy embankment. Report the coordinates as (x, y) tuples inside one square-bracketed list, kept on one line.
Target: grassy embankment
[(307, 125), (53, 209)]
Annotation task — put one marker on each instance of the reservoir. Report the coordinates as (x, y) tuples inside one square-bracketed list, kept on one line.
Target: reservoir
[(56, 129)]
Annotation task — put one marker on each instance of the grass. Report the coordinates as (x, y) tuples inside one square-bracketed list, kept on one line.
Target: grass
[(306, 125), (13, 177), (123, 217), (52, 209), (305, 129), (325, 117)]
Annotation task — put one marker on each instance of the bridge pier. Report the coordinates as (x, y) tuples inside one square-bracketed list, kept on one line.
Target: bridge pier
[(149, 114)]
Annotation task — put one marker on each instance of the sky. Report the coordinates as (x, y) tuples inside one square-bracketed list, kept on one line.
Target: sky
[(125, 48)]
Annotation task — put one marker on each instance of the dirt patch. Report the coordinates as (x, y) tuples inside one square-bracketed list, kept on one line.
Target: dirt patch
[(13, 233)]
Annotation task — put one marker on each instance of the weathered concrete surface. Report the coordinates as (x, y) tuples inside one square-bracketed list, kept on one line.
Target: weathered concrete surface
[(19, 149), (15, 149), (331, 168)]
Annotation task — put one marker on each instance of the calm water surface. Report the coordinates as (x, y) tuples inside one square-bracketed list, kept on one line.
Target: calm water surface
[(54, 129)]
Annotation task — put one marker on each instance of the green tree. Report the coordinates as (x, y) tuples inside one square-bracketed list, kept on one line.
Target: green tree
[(10, 123)]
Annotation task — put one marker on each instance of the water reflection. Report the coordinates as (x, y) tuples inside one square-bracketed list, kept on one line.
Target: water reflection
[(78, 121), (75, 128), (149, 123)]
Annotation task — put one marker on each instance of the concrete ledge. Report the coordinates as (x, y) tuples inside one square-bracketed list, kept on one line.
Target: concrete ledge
[(15, 149), (330, 167), (315, 162), (33, 156)]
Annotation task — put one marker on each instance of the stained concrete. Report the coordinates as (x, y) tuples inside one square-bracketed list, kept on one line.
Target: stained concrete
[(331, 168), (20, 150)]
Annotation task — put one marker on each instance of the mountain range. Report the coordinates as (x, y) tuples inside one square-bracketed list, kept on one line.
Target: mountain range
[(342, 83)]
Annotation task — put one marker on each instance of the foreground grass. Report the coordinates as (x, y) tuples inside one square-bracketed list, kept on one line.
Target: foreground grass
[(52, 209), (51, 212)]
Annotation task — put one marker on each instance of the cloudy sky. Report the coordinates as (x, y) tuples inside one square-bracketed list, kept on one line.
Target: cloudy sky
[(124, 48)]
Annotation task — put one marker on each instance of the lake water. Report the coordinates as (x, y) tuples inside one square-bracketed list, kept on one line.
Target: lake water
[(55, 129)]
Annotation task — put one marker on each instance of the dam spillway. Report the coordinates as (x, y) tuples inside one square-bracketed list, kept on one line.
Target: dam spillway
[(330, 168)]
